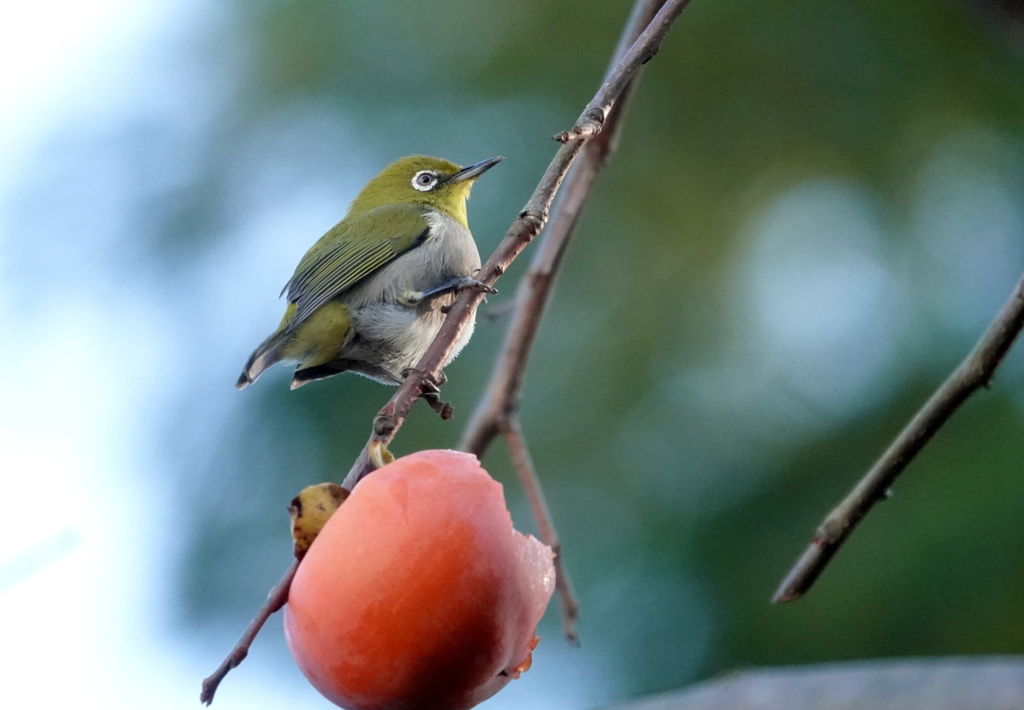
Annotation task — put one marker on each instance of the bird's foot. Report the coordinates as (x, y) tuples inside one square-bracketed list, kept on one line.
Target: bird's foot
[(411, 299), (430, 391), (476, 286), (430, 383), (458, 284)]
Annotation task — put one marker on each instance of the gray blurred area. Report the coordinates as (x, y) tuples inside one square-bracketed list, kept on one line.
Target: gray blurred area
[(814, 211), (982, 683)]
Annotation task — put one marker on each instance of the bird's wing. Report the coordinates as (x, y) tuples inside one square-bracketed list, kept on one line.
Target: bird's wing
[(351, 251)]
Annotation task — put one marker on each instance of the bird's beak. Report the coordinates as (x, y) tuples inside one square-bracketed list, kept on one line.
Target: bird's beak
[(475, 171)]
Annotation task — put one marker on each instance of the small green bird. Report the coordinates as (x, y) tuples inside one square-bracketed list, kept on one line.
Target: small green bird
[(371, 294)]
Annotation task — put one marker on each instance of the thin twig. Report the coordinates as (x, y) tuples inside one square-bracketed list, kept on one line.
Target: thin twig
[(592, 120), (275, 601), (974, 372), (526, 226), (523, 464)]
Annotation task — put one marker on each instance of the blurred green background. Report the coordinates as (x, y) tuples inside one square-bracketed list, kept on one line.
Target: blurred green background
[(815, 210)]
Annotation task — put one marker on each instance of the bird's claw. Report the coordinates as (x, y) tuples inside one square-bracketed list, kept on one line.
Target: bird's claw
[(429, 383), (430, 391), (479, 286), (412, 298)]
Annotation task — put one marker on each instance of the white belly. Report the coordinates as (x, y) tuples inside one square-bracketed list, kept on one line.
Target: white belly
[(394, 337)]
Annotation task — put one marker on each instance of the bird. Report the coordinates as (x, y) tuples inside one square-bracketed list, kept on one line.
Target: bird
[(371, 294)]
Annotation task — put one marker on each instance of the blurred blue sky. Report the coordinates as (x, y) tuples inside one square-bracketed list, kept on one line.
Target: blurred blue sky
[(87, 627)]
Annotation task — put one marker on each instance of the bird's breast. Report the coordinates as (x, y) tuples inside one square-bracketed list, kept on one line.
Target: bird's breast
[(394, 337)]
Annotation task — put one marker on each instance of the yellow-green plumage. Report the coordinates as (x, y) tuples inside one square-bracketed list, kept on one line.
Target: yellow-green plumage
[(368, 295), (392, 187), (318, 340)]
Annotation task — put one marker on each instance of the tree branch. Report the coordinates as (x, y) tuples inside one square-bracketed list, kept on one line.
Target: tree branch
[(591, 121), (974, 372), (523, 464), (526, 226), (275, 601)]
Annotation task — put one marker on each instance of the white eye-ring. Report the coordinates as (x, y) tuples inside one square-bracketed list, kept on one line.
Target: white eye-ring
[(424, 180)]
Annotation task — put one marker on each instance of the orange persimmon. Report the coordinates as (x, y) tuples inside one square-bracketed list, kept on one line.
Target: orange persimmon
[(418, 593)]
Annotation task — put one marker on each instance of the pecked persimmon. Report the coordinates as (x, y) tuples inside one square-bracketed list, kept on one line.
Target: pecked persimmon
[(418, 593)]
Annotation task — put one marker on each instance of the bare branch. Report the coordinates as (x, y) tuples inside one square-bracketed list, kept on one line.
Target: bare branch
[(526, 226), (974, 372), (591, 121), (275, 601), (523, 464)]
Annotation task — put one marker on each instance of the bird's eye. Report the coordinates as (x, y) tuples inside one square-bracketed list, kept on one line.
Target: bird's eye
[(424, 180)]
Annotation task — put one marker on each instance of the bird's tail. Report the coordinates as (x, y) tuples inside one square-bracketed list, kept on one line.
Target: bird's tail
[(268, 353)]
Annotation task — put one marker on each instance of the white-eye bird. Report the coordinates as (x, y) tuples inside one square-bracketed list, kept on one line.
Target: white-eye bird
[(371, 294)]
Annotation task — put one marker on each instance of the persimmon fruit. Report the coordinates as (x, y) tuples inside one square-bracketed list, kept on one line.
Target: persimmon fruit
[(418, 594)]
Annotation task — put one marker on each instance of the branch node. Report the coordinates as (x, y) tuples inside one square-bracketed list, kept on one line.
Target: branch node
[(830, 531), (533, 222), (383, 424), (589, 125)]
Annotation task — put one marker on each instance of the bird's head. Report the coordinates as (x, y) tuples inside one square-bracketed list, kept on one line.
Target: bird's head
[(421, 179)]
